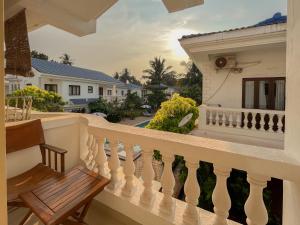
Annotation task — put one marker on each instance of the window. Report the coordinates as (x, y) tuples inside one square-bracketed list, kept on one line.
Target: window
[(29, 84), (101, 91), (90, 89), (15, 87), (74, 90), (264, 93), (122, 92), (51, 87), (109, 92)]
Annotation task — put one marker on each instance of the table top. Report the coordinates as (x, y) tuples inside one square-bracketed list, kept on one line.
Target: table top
[(61, 197)]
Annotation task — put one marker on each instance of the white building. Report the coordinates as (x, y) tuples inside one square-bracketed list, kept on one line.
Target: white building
[(77, 86), (244, 73)]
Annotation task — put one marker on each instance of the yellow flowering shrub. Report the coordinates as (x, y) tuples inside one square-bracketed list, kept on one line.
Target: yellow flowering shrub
[(172, 112)]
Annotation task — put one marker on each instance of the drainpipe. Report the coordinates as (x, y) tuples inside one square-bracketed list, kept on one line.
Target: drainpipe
[(3, 193), (291, 191)]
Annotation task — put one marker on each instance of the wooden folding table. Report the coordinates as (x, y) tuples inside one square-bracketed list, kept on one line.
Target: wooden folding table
[(64, 200)]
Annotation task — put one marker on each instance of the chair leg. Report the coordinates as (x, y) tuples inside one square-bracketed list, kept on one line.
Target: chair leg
[(24, 220)]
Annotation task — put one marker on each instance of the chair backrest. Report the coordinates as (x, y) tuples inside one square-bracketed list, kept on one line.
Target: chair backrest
[(24, 135)]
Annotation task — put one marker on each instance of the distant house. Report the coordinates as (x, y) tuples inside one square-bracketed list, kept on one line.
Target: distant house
[(77, 86)]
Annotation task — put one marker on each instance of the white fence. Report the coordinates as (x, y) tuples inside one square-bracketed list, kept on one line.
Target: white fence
[(17, 108), (269, 124)]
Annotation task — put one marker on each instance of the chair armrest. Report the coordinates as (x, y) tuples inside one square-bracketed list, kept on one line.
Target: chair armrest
[(54, 149)]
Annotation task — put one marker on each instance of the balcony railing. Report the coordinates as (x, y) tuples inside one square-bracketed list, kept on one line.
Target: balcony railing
[(17, 108), (137, 199), (269, 124)]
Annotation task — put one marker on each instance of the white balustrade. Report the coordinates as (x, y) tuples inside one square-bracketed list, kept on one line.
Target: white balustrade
[(101, 158), (114, 165), (255, 208), (228, 120), (167, 205), (192, 192), (220, 197), (193, 151), (128, 169), (147, 196)]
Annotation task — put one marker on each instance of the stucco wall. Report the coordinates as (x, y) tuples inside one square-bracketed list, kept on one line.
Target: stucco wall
[(271, 64)]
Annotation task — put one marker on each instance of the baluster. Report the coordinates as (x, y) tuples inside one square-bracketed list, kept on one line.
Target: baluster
[(147, 196), (101, 158), (210, 118), (280, 124), (271, 123), (88, 143), (238, 120), (223, 119), (252, 121), (128, 170), (167, 204), (114, 165), (255, 208), (192, 193), (217, 119), (262, 122), (220, 197), (94, 149), (230, 119)]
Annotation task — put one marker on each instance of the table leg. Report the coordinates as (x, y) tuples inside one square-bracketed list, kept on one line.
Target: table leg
[(84, 211), (79, 216), (24, 220)]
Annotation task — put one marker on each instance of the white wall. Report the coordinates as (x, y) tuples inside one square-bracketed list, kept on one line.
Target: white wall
[(291, 199), (272, 64)]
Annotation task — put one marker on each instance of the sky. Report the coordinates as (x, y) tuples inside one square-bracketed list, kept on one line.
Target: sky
[(133, 32)]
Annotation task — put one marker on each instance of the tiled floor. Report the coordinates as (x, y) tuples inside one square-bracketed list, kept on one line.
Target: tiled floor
[(98, 214)]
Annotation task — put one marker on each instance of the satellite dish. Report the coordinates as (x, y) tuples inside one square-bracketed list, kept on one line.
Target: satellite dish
[(185, 120)]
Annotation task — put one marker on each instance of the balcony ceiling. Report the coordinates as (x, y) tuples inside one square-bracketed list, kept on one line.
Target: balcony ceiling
[(79, 19), (75, 16)]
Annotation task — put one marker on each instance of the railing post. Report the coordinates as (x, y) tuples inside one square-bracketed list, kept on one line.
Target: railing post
[(128, 169), (202, 117), (255, 208), (114, 165), (220, 197), (147, 196), (101, 158), (192, 192), (167, 204)]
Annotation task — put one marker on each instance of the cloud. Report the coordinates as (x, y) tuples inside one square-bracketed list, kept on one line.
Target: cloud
[(134, 31)]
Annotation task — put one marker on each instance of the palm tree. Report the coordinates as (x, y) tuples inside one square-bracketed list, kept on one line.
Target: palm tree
[(66, 59), (158, 72)]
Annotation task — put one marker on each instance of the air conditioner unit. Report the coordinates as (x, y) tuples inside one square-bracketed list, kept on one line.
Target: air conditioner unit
[(225, 62)]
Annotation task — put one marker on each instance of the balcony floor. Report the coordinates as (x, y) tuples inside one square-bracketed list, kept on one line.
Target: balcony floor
[(97, 212)]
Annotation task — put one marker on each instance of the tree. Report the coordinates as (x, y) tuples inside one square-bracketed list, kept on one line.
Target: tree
[(159, 73), (66, 59), (39, 55), (191, 83), (117, 76), (42, 100), (125, 77), (156, 75)]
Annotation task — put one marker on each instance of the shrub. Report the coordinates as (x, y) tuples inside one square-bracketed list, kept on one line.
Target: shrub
[(172, 112), (42, 100), (111, 109), (132, 101)]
